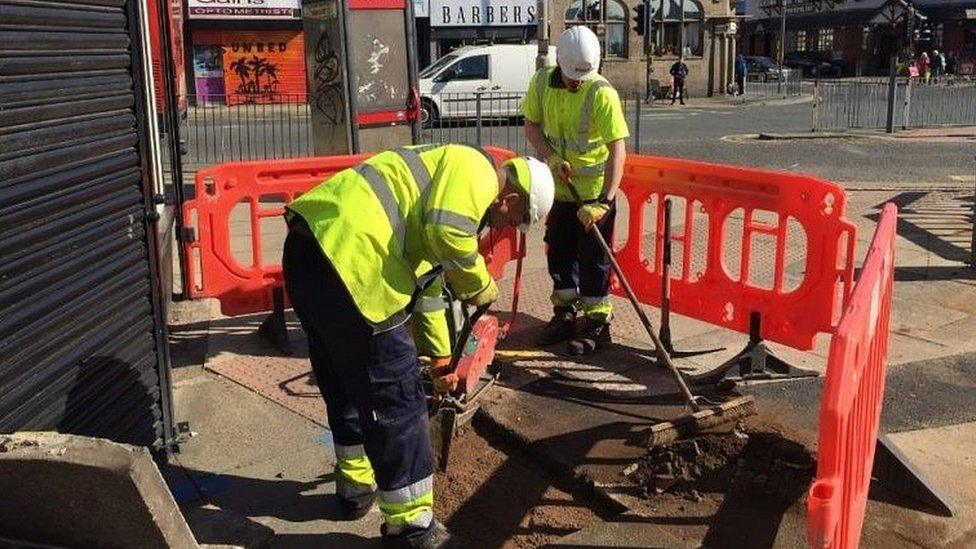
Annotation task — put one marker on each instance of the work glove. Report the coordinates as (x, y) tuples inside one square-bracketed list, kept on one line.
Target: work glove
[(485, 297), (560, 168), (445, 381), (591, 214)]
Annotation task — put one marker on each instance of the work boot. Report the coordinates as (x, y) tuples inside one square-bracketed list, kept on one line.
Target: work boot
[(561, 327), (434, 536), (594, 335), (355, 508)]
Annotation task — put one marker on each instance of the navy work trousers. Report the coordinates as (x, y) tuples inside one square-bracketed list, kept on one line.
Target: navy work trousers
[(575, 259), (370, 382)]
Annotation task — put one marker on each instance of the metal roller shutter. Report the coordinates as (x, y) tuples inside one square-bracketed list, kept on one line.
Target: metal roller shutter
[(82, 339)]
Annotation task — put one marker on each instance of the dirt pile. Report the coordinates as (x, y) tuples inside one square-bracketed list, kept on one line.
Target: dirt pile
[(761, 463), (490, 498)]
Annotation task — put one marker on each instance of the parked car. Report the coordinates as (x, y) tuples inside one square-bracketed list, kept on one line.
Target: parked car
[(764, 69), (500, 74), (812, 64)]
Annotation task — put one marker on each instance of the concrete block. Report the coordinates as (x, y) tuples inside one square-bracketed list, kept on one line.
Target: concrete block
[(78, 491)]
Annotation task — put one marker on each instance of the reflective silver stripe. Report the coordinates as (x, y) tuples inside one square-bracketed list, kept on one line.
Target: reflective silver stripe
[(590, 171), (408, 493), (459, 264), (429, 304), (348, 489), (586, 113), (395, 321), (349, 452), (422, 520), (411, 157), (453, 220), (383, 193)]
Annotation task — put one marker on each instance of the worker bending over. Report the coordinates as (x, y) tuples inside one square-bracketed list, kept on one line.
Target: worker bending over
[(574, 120), (356, 245)]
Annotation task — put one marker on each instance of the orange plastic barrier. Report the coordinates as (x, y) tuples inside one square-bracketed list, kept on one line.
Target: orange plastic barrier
[(850, 408), (265, 187), (721, 277)]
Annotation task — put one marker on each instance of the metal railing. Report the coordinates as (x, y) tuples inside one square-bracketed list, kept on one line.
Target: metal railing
[(864, 104), (489, 118), (224, 128), (793, 85)]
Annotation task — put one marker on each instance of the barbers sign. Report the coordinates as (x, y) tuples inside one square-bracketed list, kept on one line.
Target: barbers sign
[(482, 13)]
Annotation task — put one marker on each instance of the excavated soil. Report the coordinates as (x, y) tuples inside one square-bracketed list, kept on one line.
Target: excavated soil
[(491, 498), (753, 462), (743, 485)]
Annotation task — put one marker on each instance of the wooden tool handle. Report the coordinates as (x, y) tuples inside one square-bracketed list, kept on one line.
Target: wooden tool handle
[(659, 349)]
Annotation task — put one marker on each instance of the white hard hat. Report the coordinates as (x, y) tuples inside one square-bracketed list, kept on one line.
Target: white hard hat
[(534, 179), (578, 53)]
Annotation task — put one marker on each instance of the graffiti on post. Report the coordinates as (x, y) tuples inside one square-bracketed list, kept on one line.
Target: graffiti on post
[(328, 87)]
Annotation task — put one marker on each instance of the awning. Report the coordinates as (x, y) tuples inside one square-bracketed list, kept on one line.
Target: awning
[(824, 20)]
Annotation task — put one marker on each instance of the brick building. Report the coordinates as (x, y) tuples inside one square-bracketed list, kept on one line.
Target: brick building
[(707, 26), (860, 36)]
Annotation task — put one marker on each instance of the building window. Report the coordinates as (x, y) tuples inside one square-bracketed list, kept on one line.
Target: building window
[(825, 40), (796, 40), (672, 18), (606, 18), (939, 34)]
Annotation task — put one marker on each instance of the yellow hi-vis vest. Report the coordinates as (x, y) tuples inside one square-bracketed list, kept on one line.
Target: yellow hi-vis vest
[(388, 220), (569, 122)]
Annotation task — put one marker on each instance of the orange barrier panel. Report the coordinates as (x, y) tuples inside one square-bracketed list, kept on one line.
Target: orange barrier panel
[(850, 408), (723, 278), (264, 187)]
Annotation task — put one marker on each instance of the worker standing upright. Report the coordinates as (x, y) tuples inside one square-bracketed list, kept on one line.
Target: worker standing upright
[(573, 119), (357, 245)]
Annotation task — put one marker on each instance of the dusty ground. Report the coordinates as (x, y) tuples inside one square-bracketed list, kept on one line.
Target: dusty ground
[(494, 499)]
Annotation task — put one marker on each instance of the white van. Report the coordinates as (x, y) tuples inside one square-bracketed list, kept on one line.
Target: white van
[(449, 87)]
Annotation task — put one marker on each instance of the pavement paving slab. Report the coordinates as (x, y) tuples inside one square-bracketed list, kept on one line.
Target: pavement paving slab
[(252, 458)]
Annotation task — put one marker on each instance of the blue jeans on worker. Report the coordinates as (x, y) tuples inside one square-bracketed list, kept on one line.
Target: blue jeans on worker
[(371, 383), (579, 268)]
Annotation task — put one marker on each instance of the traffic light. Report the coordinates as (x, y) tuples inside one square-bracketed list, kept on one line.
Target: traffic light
[(639, 22), (925, 33)]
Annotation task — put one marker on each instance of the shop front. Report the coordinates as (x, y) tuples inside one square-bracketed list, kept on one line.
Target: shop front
[(451, 24), (249, 51)]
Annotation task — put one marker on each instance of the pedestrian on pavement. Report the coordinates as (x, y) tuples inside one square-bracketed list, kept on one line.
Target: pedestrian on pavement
[(574, 119), (356, 246), (648, 80), (924, 69), (951, 63), (741, 70), (679, 70), (938, 65)]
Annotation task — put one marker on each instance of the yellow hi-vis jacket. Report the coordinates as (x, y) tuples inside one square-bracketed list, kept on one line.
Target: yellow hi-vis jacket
[(578, 126), (387, 221)]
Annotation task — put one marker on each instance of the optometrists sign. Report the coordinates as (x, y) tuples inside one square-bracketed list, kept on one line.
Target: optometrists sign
[(482, 13), (244, 9)]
